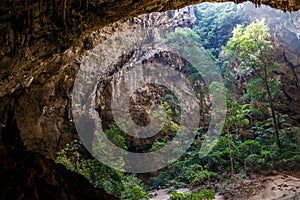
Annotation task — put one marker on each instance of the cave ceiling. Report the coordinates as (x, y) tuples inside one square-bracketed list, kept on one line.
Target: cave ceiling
[(34, 29)]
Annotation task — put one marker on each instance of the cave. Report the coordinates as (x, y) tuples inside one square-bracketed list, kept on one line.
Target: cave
[(57, 56)]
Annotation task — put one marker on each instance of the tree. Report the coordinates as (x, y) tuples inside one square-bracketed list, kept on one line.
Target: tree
[(250, 49), (235, 119), (214, 25)]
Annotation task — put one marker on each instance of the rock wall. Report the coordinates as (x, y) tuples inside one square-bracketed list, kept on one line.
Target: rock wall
[(287, 44), (35, 100), (29, 175), (285, 36)]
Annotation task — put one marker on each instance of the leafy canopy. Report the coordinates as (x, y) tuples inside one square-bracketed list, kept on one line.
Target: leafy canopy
[(250, 46)]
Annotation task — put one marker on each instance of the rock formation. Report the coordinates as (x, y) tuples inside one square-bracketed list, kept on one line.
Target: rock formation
[(29, 175)]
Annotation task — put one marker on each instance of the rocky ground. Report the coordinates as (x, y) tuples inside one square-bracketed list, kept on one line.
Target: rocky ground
[(282, 186)]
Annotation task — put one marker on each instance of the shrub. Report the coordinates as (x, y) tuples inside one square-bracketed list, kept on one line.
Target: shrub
[(101, 176), (251, 163), (248, 147), (203, 194), (200, 175), (137, 193)]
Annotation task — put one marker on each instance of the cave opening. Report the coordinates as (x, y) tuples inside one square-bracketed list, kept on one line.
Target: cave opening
[(254, 50), (151, 106)]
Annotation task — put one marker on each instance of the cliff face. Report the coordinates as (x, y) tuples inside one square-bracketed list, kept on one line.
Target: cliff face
[(285, 36), (285, 40), (289, 51), (36, 107)]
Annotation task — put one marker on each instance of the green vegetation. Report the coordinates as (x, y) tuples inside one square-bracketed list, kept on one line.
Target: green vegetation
[(170, 127), (249, 141), (259, 155), (215, 24), (250, 49), (115, 182), (203, 194)]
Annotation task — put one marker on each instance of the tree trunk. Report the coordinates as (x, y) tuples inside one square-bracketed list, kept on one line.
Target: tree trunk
[(231, 158), (273, 112)]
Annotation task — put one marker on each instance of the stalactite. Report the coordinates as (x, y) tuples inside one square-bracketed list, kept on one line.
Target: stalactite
[(86, 6), (80, 2), (64, 12), (69, 12)]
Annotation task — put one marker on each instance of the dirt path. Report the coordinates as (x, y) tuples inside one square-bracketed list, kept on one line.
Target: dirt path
[(263, 187), (279, 187)]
